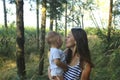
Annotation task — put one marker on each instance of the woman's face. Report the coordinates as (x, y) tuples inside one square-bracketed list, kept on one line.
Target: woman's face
[(70, 41)]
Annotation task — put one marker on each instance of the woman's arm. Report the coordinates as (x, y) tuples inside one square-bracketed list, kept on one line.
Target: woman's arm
[(86, 72)]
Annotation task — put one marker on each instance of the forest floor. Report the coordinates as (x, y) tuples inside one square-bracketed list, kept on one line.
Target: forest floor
[(8, 69)]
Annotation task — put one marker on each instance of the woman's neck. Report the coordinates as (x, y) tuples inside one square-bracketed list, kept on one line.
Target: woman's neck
[(73, 51), (75, 60)]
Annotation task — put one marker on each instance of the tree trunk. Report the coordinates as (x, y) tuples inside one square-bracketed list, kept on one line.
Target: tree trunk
[(42, 42), (5, 13), (56, 25), (51, 24), (66, 19), (72, 13), (110, 20), (20, 40), (51, 15), (82, 21), (37, 16)]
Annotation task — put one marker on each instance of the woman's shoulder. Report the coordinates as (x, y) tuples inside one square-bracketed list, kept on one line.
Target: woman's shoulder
[(87, 66), (86, 71)]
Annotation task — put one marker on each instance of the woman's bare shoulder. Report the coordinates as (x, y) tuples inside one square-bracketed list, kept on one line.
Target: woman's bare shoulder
[(86, 72)]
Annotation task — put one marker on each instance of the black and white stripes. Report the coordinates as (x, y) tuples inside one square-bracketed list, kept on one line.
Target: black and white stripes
[(73, 73)]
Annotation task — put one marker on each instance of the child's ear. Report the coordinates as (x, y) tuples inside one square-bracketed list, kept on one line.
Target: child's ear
[(75, 42), (58, 39)]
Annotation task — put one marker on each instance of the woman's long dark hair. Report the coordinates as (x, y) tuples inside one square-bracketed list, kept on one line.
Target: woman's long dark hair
[(82, 47)]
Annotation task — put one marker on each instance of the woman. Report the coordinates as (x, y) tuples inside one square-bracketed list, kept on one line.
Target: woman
[(78, 56)]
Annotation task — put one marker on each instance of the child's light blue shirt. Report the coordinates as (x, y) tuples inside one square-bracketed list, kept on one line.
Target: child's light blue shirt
[(56, 54)]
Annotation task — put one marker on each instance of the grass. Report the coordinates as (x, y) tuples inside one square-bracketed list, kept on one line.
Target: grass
[(106, 67), (9, 70)]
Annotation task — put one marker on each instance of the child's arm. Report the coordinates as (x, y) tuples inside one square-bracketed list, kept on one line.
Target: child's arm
[(60, 64)]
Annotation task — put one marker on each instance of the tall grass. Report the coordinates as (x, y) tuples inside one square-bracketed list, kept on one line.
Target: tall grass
[(104, 56), (8, 69)]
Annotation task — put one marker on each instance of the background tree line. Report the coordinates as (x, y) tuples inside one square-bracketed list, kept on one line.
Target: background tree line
[(20, 44)]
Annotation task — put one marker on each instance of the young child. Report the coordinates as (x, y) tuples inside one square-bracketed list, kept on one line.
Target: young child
[(57, 57)]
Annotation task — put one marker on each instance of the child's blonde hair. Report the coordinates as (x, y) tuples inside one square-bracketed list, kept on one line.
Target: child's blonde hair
[(52, 37)]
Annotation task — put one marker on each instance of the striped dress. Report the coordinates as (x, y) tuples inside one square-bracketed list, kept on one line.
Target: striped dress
[(73, 73)]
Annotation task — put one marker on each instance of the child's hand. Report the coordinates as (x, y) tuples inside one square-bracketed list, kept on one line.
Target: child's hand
[(53, 77), (65, 69)]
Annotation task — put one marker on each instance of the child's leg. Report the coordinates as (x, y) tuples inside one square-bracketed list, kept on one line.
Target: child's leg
[(49, 75)]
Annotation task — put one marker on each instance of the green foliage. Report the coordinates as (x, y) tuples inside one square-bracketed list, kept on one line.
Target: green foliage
[(30, 40), (114, 42), (105, 56), (108, 67), (116, 13), (55, 7), (91, 31), (7, 41), (9, 70)]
